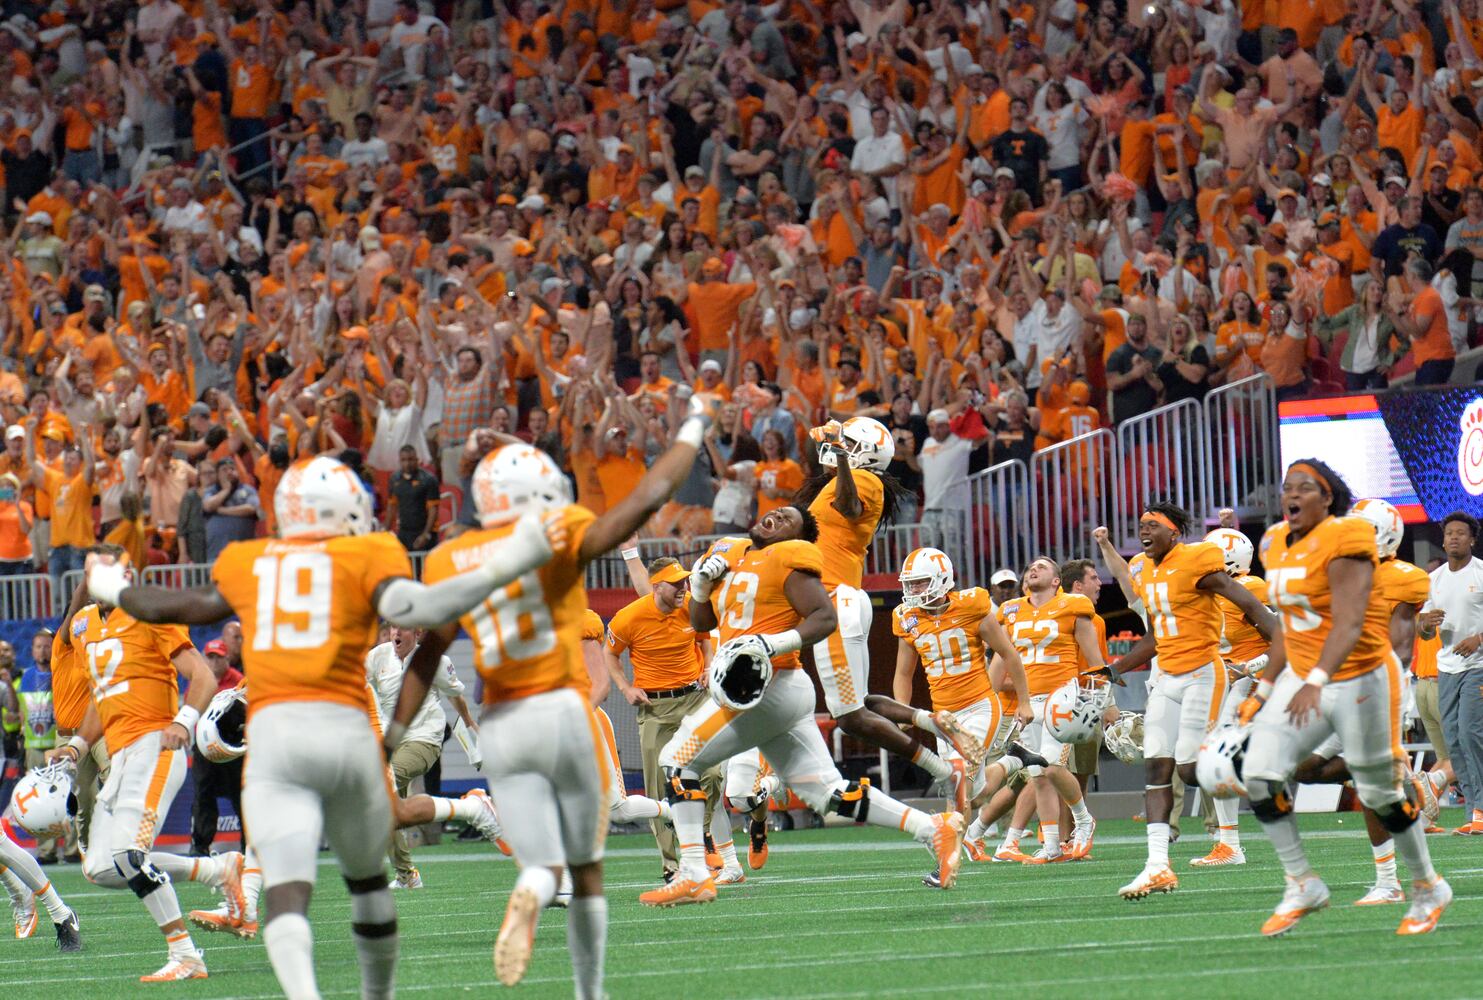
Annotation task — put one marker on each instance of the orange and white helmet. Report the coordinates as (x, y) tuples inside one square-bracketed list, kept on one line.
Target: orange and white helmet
[(926, 578), (1387, 521), (322, 498), (1236, 547), (867, 445), (517, 479)]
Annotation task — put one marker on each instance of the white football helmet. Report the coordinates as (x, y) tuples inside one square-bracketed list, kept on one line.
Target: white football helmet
[(322, 498), (866, 442), (43, 802), (1072, 710), (1222, 755), (1387, 521), (517, 479), (1237, 548), (739, 673), (214, 746), (1124, 738), (926, 578)]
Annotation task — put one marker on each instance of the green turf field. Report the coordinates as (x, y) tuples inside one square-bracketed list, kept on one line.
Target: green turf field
[(841, 913)]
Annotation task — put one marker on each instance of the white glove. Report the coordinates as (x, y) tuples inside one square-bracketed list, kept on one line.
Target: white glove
[(704, 575), (106, 581), (529, 544)]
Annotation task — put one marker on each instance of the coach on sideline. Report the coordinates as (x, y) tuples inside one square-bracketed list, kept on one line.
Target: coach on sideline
[(1455, 611)]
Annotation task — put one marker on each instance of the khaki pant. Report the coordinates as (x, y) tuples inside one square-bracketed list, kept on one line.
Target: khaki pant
[(92, 772), (409, 762), (1428, 706), (1084, 755), (658, 721), (1207, 808)]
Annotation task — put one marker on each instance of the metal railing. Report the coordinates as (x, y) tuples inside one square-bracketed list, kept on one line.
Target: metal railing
[(177, 576), (26, 595), (1072, 490), (1241, 451), (70, 581), (999, 532), (1161, 455)]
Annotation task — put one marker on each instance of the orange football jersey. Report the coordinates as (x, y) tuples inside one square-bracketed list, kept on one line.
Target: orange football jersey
[(308, 612), (592, 626), (71, 688), (527, 635), (1239, 639), (1046, 637), (751, 600), (1186, 621), (953, 655), (1399, 582), (843, 540), (1424, 659), (134, 682), (1299, 578), (663, 648)]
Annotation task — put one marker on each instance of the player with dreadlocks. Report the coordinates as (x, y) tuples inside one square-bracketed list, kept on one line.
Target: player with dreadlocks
[(849, 504)]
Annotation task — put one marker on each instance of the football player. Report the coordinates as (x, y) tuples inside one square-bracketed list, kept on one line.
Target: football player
[(949, 633), (25, 883), (541, 742), (1054, 633), (1329, 672), (848, 506), (1178, 584), (309, 602), (766, 594), (136, 708), (1404, 588)]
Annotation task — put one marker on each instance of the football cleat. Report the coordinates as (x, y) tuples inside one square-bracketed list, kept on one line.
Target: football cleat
[(1302, 897), (968, 746), (1431, 808), (1010, 852), (408, 880), (178, 969), (517, 936), (1026, 756), (681, 892), (1081, 841), (1427, 904), (1380, 895), (757, 850), (1434, 829), (1045, 856), (712, 856), (932, 880), (977, 850), (947, 839), (231, 865), (219, 921), (1468, 830), (69, 934), (731, 876), (1220, 855), (488, 822), (1150, 881), (25, 915)]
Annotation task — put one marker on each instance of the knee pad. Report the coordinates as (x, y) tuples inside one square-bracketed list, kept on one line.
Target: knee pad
[(139, 872), (371, 883), (1397, 817), (682, 786), (851, 800), (743, 803), (1267, 803)]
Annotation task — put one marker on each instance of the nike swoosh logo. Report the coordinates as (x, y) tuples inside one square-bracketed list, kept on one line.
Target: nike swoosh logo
[(1362, 700)]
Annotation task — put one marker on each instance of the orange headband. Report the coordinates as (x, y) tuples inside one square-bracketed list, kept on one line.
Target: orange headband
[(1318, 477), (1157, 518)]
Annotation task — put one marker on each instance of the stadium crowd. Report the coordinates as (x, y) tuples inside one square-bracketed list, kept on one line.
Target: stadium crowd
[(240, 234)]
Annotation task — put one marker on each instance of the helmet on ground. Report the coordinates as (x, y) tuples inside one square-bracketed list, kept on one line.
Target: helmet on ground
[(1071, 712), (1387, 521), (739, 673), (866, 442), (1236, 547), (1222, 755), (44, 802), (221, 738), (517, 479), (1124, 738), (322, 498), (926, 578)]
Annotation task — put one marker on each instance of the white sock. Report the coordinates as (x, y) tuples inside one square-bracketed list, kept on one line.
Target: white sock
[(1012, 836), (252, 886), (975, 830), (290, 944), (1385, 863), (931, 763), (587, 940), (1226, 817), (179, 944), (1410, 844), (636, 807), (539, 880), (55, 908), (721, 834), (1283, 833), (374, 930), (446, 809), (922, 719), (183, 869), (1080, 814), (1052, 832), (887, 812), (689, 821), (163, 905), (19, 892), (1158, 845)]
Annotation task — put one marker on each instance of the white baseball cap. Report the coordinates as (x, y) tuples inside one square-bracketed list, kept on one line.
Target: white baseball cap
[(1004, 576)]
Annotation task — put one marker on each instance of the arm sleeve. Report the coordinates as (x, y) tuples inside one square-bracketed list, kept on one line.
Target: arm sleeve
[(446, 680)]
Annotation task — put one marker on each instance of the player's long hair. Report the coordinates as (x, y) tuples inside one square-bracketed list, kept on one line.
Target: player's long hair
[(891, 502), (1343, 497)]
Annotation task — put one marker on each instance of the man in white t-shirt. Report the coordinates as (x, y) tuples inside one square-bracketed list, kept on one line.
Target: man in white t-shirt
[(882, 154), (410, 35), (945, 493), (1052, 326), (1455, 612), (367, 149)]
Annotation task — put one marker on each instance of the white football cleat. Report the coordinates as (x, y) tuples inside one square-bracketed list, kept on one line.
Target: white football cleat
[(25, 915), (731, 875), (487, 822), (563, 897), (408, 880), (1427, 904), (1379, 895), (1219, 856), (517, 937), (178, 969), (1149, 881), (1302, 897)]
